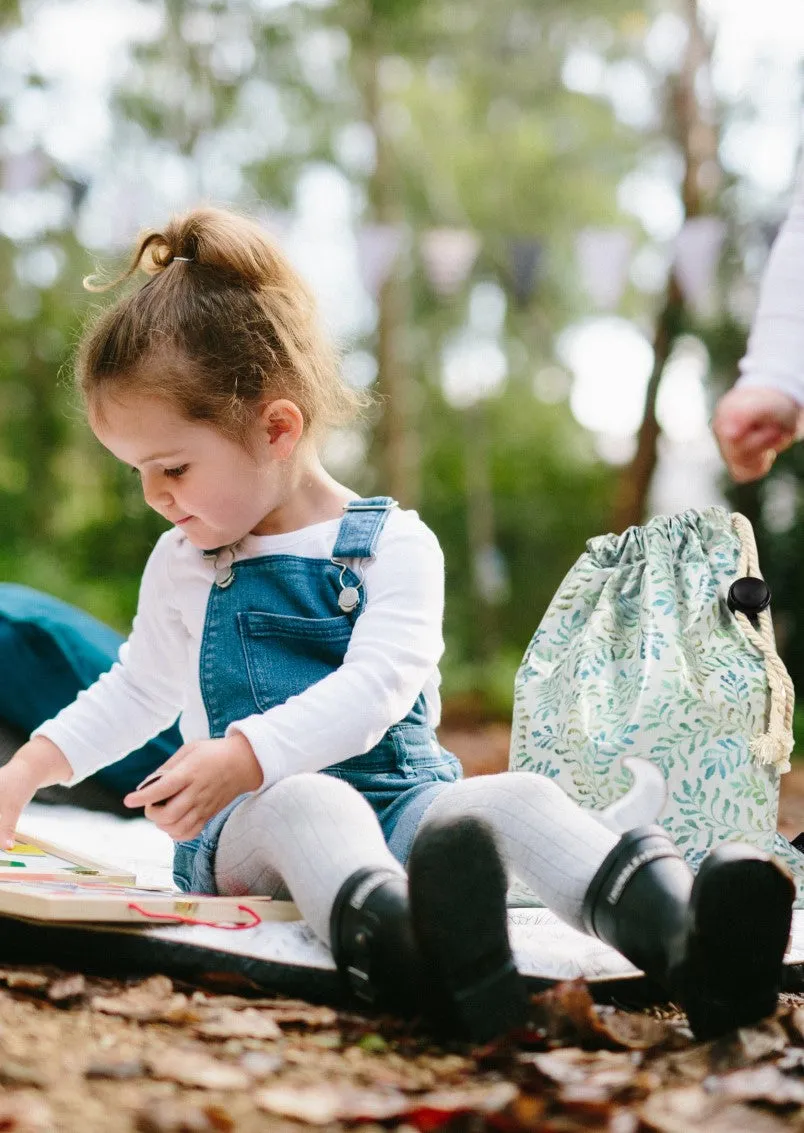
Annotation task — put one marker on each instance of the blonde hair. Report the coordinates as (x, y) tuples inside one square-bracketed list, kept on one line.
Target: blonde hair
[(223, 323)]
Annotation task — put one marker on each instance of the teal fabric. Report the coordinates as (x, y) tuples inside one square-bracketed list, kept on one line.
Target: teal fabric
[(49, 652), (638, 654)]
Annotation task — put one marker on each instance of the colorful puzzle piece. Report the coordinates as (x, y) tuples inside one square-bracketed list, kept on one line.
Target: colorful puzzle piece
[(23, 849)]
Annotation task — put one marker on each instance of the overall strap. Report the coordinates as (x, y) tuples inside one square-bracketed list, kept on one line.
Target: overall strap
[(361, 526)]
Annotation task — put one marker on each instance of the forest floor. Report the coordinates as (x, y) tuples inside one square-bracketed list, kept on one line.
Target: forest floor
[(79, 1053)]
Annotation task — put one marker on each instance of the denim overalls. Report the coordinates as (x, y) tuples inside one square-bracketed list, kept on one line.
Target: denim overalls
[(272, 629)]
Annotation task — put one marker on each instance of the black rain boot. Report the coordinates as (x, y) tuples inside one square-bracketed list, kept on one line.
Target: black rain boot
[(715, 943), (372, 941), (457, 898)]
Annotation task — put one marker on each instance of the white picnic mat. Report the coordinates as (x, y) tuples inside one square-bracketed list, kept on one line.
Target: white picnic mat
[(543, 945)]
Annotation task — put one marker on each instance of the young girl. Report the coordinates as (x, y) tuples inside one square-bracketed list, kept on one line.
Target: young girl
[(297, 629)]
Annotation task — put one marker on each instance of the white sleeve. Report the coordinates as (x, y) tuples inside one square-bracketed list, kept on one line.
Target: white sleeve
[(141, 694), (775, 355), (395, 647)]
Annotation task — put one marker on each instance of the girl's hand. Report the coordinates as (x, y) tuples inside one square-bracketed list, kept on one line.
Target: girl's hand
[(38, 763), (196, 783), (752, 425)]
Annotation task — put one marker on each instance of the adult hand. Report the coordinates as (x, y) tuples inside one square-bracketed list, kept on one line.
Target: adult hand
[(752, 424), (38, 763), (197, 782)]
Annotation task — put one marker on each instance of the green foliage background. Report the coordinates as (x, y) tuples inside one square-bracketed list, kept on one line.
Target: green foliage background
[(473, 127)]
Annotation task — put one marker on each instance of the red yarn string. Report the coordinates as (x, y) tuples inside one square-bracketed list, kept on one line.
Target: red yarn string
[(176, 918)]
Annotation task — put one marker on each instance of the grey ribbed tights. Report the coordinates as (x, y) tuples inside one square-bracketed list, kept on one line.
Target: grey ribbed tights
[(310, 832)]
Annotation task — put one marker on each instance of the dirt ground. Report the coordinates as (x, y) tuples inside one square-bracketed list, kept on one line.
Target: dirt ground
[(85, 1055), (79, 1055)]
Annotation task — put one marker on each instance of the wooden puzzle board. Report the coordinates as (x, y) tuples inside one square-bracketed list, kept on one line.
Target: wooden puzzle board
[(87, 899), (33, 859)]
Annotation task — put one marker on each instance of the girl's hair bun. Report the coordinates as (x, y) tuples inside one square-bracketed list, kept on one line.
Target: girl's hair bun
[(231, 321), (211, 238)]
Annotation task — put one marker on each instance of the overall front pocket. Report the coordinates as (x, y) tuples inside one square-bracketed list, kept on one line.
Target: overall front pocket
[(286, 654)]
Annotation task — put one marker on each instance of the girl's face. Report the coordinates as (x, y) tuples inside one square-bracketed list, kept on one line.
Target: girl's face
[(213, 488)]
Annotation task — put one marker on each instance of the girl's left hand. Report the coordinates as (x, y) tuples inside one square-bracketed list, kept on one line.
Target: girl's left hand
[(197, 782)]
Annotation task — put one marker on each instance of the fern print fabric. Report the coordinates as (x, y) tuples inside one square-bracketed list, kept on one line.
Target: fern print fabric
[(638, 654)]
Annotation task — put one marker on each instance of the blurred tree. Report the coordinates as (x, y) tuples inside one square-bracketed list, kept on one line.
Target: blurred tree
[(436, 115), (690, 123)]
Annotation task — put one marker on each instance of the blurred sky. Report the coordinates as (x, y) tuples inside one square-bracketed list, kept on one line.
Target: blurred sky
[(81, 44)]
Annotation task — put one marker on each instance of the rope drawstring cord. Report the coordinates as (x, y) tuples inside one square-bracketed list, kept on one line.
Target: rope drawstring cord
[(176, 918), (775, 745)]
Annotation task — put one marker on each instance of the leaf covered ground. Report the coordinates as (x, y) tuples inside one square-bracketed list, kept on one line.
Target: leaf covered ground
[(89, 1054)]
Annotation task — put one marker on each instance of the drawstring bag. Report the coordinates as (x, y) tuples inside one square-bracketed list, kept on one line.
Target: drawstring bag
[(644, 651)]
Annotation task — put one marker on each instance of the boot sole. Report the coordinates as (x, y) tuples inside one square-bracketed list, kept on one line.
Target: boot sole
[(457, 901), (741, 910)]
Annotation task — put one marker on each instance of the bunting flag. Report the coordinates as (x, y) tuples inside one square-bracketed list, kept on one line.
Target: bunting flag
[(378, 249), (448, 255), (23, 171), (78, 190), (604, 256), (524, 261), (492, 581), (769, 230), (697, 255), (277, 223)]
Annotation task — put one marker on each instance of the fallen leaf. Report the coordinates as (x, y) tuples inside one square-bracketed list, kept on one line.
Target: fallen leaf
[(793, 1059), (571, 1065), (259, 1064), (285, 1012), (795, 1023), (565, 1012), (623, 1121), (27, 981), (526, 1111), (13, 1073), (758, 1083), (474, 1097), (749, 1045), (323, 1104), (691, 1065), (293, 1014), (634, 1031), (168, 1116), (120, 1070), (191, 1068), (67, 989), (229, 1024), (692, 1108), (25, 1113), (153, 1000)]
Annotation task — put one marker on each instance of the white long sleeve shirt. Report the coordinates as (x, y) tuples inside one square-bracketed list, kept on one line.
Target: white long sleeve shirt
[(392, 656), (775, 355)]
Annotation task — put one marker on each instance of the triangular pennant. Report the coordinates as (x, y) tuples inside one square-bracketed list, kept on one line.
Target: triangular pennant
[(492, 580), (23, 171), (448, 255), (524, 257), (604, 255), (697, 255), (277, 222), (378, 248)]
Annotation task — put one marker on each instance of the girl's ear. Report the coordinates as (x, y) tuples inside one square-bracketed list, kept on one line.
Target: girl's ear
[(282, 424)]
